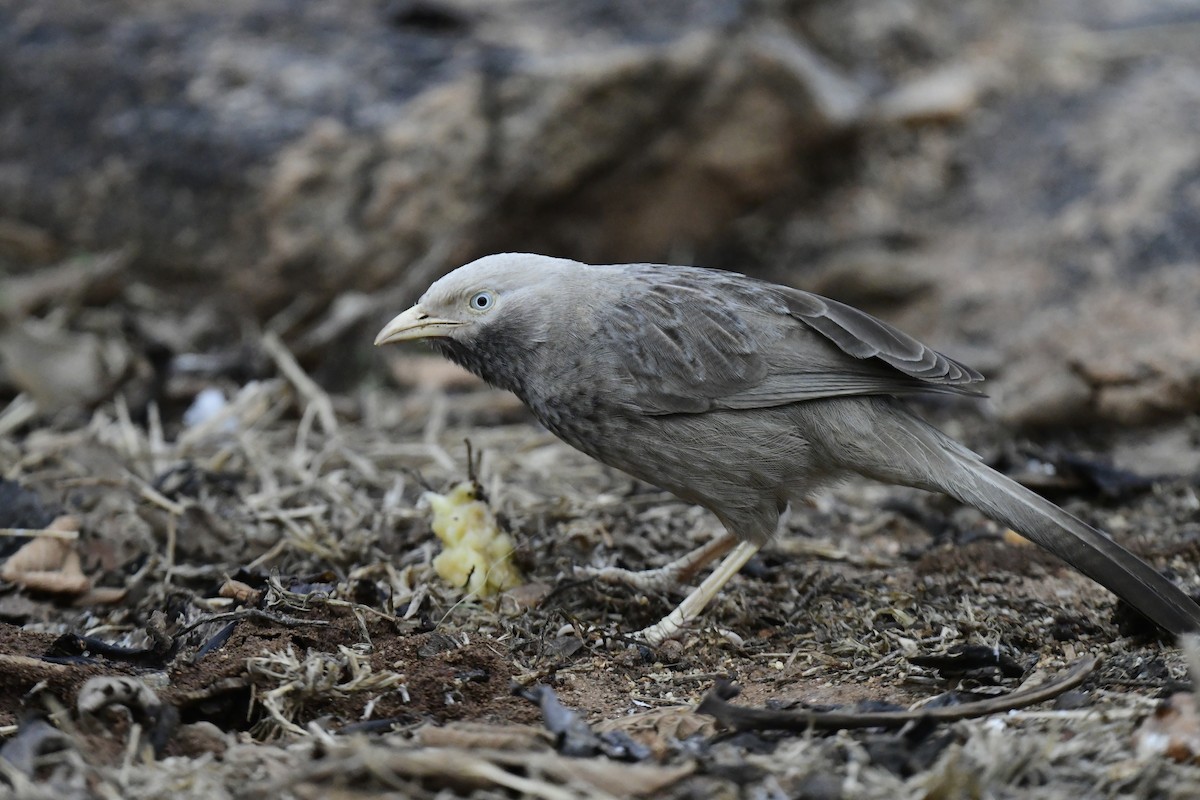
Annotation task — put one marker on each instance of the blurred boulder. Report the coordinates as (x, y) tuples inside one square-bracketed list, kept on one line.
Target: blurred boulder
[(1017, 182), (64, 369), (1052, 236), (292, 149)]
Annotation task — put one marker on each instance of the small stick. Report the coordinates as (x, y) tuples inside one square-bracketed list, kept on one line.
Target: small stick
[(158, 447), (130, 435), (299, 379), (254, 613), (156, 497), (738, 718), (280, 514), (49, 533), (22, 409)]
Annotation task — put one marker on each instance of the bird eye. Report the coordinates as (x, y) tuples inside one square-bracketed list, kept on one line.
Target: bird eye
[(482, 301)]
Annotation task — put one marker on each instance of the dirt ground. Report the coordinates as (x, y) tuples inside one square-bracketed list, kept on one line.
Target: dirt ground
[(243, 602), (337, 664)]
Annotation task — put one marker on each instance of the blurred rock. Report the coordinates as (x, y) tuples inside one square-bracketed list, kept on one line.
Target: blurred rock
[(1017, 182), (1129, 354), (870, 277), (1105, 200), (1050, 236), (64, 369), (306, 150), (85, 280)]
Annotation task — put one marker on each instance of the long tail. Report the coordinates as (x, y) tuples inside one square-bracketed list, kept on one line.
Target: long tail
[(916, 454)]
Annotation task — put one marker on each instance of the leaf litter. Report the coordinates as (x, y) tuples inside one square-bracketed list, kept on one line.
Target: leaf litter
[(275, 623)]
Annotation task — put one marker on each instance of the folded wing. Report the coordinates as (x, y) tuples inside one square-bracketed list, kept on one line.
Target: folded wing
[(693, 340)]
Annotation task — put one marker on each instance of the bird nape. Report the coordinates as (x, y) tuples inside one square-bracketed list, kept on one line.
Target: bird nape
[(739, 395)]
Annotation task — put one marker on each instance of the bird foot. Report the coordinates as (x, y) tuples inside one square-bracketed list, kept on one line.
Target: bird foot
[(672, 624), (666, 576), (668, 627), (649, 580)]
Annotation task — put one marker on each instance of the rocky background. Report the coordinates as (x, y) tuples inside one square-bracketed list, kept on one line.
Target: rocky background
[(227, 200), (1019, 182)]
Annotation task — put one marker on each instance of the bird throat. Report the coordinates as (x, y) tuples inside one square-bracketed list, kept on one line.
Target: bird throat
[(499, 358), (517, 363)]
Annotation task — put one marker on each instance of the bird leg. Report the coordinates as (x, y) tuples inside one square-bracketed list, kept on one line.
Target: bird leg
[(668, 575), (695, 602)]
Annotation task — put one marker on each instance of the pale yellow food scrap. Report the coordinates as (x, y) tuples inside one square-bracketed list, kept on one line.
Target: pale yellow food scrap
[(477, 555)]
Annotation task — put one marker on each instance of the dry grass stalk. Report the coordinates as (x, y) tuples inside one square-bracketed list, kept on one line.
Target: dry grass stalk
[(317, 675), (313, 394)]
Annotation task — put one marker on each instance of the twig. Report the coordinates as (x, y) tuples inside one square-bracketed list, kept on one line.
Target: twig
[(276, 550), (156, 497), (254, 613), (299, 379), (131, 438), (279, 514), (357, 608), (741, 719), (22, 409), (158, 447), (28, 665), (49, 533), (361, 464), (301, 452)]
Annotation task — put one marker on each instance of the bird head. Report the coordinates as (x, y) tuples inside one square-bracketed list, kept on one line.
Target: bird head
[(492, 315), (474, 297)]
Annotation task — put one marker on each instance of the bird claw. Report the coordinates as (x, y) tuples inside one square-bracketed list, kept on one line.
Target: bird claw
[(666, 628), (668, 575), (650, 580)]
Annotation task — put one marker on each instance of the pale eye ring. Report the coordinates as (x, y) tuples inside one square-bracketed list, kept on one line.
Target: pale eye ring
[(482, 301)]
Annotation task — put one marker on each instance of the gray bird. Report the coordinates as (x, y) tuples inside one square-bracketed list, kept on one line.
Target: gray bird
[(741, 396)]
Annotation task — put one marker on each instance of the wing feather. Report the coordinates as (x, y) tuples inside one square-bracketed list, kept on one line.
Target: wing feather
[(860, 335), (693, 340)]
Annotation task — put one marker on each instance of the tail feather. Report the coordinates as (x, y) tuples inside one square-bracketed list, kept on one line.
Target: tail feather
[(1080, 545), (922, 456)]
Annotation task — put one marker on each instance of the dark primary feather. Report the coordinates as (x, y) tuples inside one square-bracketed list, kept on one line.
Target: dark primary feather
[(860, 335), (704, 339)]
